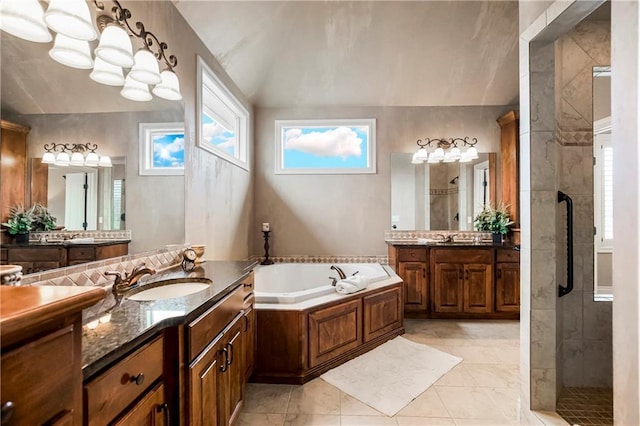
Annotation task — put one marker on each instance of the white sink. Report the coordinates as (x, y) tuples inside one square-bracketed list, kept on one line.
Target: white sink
[(169, 291)]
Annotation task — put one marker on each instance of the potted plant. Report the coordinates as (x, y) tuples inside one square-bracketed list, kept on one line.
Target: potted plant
[(19, 223), (42, 219), (495, 220)]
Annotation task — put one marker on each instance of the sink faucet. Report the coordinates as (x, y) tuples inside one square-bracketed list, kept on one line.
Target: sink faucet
[(340, 272), (125, 281), (446, 238)]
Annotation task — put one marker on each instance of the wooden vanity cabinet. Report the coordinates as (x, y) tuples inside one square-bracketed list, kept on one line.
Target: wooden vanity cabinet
[(507, 280), (151, 410), (412, 266), (334, 330)]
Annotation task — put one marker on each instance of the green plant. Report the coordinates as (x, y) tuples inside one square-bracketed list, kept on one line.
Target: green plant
[(493, 219), (20, 220), (42, 219)]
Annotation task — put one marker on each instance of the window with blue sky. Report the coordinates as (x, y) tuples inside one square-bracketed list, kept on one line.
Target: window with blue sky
[(168, 150), (325, 146)]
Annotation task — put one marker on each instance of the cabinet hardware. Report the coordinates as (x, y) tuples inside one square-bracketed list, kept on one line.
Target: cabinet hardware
[(248, 284), (137, 379), (230, 346), (225, 364), (165, 411), (6, 412), (246, 323)]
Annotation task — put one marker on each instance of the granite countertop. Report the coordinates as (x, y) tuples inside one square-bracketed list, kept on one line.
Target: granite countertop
[(132, 322), (460, 244), (66, 243)]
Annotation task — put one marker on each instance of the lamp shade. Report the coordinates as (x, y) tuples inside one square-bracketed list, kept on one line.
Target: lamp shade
[(77, 159), (145, 68), (433, 159), (71, 18), (169, 88), (415, 159), (48, 158), (91, 160), (62, 159), (24, 19), (422, 154), (71, 52), (105, 73), (448, 158), (438, 154), (465, 158), (455, 153), (115, 47), (135, 91), (472, 153), (104, 161)]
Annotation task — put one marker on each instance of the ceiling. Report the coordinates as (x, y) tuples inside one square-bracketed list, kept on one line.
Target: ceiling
[(363, 53)]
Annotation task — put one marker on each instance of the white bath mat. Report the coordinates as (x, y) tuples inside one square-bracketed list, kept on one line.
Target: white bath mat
[(392, 375)]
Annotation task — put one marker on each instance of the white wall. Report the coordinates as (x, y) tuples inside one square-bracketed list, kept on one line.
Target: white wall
[(348, 214)]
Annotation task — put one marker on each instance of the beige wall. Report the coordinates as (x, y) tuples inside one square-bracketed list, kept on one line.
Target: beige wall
[(218, 195), (348, 214), (154, 204)]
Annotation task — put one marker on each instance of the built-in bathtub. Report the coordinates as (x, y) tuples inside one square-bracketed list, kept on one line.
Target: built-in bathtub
[(304, 327), (292, 283)]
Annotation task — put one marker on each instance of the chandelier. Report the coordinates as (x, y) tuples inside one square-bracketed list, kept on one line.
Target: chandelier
[(77, 154), (71, 21), (446, 150)]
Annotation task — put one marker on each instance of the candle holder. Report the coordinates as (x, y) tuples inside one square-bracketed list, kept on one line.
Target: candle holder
[(266, 260)]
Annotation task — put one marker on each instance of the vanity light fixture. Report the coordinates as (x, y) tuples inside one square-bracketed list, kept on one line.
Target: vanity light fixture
[(58, 154), (446, 150), (71, 20)]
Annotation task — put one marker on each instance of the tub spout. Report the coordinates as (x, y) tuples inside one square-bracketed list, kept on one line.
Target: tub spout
[(340, 272)]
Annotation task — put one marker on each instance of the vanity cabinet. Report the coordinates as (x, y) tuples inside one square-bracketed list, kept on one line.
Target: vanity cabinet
[(151, 410), (135, 378), (507, 281), (412, 266), (221, 351), (458, 282), (40, 370)]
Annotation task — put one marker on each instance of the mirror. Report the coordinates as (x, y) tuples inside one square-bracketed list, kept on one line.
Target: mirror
[(63, 105), (87, 198), (441, 196), (602, 181)]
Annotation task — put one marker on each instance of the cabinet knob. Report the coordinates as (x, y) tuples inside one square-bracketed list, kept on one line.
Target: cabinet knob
[(6, 412), (137, 379)]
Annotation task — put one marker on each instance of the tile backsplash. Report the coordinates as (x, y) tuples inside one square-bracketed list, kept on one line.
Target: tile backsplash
[(66, 235)]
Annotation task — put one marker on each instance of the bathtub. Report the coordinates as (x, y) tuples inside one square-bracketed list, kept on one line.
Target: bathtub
[(293, 283)]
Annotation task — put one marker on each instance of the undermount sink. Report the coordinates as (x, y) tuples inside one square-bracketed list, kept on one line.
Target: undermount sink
[(168, 289)]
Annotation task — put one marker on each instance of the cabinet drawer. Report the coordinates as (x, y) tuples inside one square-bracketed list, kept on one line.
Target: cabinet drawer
[(507, 256), (81, 253), (412, 254), (208, 325), (462, 255), (38, 379), (37, 254), (114, 390)]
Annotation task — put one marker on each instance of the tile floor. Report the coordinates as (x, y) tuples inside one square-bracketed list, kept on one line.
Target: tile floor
[(482, 390), (587, 406)]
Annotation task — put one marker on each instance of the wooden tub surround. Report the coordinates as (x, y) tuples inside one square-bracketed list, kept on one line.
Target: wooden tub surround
[(295, 346)]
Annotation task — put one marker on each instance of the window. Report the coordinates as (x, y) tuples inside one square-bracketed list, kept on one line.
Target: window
[(603, 200), (161, 149), (223, 122), (325, 146)]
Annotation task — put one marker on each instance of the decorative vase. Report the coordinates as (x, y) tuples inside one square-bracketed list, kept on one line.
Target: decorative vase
[(497, 238), (22, 238)]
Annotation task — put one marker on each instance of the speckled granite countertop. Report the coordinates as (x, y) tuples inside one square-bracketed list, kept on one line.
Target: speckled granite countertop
[(37, 244), (460, 244), (133, 322)]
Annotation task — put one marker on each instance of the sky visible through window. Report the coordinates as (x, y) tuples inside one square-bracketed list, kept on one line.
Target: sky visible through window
[(325, 147), (168, 150), (218, 135)]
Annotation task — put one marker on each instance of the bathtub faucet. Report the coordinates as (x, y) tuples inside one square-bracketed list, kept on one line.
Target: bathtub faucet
[(340, 272)]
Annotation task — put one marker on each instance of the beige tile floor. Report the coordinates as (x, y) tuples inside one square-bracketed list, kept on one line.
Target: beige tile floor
[(482, 390)]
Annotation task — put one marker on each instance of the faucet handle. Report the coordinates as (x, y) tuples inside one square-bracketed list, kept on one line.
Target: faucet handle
[(119, 275)]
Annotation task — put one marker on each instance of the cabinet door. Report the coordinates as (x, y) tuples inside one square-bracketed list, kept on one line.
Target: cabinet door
[(508, 287), (150, 411), (382, 313), (448, 287), (249, 342), (233, 377), (203, 385), (478, 294), (334, 331), (414, 275)]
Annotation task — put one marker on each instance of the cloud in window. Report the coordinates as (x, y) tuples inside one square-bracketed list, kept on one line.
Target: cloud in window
[(170, 151), (211, 130), (336, 142)]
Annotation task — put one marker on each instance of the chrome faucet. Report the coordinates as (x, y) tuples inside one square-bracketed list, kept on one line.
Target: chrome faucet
[(125, 281), (340, 272)]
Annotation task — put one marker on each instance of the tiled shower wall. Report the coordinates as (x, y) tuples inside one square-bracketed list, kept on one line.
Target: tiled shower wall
[(584, 344)]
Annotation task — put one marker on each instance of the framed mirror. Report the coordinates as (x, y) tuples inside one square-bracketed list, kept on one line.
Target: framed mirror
[(441, 196)]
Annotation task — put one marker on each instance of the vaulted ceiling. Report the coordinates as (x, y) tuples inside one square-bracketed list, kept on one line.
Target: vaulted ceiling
[(364, 53)]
